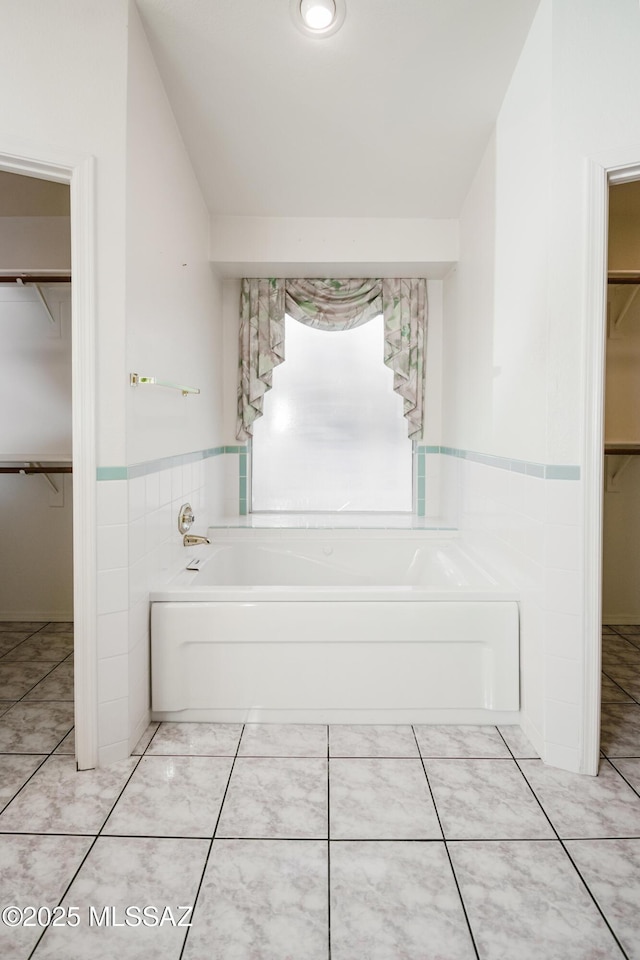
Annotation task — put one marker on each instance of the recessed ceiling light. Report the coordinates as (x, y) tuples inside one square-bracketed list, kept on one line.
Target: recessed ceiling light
[(318, 18)]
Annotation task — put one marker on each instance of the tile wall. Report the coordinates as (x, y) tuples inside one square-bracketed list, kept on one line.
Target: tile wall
[(139, 548), (527, 520)]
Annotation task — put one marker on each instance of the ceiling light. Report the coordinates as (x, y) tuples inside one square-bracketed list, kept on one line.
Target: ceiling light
[(318, 14), (318, 18)]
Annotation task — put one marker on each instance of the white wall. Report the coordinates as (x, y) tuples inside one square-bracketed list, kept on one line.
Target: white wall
[(63, 80), (572, 96), (468, 290), (174, 316), (173, 332)]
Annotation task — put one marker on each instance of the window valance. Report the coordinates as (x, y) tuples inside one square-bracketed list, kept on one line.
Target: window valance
[(331, 305)]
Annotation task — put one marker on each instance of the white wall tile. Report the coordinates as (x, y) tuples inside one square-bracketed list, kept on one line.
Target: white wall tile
[(563, 548), (177, 489), (562, 723), (557, 755), (138, 623), (563, 635), (137, 540), (563, 679), (112, 504), (113, 548), (112, 753), (113, 637), (113, 722), (563, 591), (137, 498), (113, 590), (113, 678), (152, 492), (563, 501), (138, 582), (164, 482)]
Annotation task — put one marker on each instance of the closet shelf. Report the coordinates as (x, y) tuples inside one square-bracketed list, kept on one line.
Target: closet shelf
[(615, 468), (622, 449)]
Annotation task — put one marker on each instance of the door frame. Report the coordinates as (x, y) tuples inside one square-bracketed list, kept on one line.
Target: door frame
[(601, 172), (47, 163)]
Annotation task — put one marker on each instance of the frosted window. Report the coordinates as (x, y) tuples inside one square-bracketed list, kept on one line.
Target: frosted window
[(333, 436)]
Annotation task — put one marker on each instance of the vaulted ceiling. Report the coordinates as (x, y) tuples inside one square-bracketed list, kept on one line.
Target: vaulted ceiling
[(387, 118)]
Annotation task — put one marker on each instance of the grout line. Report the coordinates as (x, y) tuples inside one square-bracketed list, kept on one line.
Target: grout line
[(444, 840), (213, 837), (91, 846), (562, 844), (30, 777), (621, 774)]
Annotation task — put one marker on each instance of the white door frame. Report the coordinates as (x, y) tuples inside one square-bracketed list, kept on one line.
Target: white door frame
[(78, 172), (602, 171)]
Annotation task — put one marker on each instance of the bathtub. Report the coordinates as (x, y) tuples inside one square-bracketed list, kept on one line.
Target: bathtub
[(335, 627)]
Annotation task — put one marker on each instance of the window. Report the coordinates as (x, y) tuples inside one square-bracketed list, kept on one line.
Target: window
[(319, 445)]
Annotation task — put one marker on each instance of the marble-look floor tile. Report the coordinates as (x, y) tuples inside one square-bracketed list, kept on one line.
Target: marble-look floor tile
[(395, 900), (611, 869), (129, 872), (6, 705), (68, 745), (580, 806), (55, 628), (276, 798), (283, 740), (517, 742), (610, 692), (172, 797), (619, 730), (10, 640), (485, 799), (57, 685), (59, 799), (463, 740), (145, 739), (34, 727), (262, 899), (16, 678), (26, 627), (381, 798), (51, 649), (630, 770), (34, 871), (525, 900), (619, 650), (14, 772), (627, 676), (371, 740), (197, 739)]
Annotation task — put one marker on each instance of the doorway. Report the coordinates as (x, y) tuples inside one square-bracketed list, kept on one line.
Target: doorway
[(77, 173), (603, 175), (620, 711)]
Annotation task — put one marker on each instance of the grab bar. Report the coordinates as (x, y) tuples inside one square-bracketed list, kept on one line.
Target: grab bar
[(136, 380)]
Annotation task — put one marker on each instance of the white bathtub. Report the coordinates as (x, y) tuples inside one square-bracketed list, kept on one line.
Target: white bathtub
[(368, 627)]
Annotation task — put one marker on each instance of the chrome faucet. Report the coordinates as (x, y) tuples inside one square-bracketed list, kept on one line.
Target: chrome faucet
[(191, 540)]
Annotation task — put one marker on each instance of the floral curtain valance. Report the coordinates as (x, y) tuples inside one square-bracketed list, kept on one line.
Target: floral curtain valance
[(331, 305)]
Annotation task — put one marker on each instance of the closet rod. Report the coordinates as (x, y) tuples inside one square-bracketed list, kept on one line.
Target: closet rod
[(622, 449), (627, 280), (28, 470), (34, 278)]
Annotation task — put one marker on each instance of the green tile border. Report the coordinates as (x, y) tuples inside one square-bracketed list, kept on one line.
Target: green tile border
[(166, 463), (546, 471)]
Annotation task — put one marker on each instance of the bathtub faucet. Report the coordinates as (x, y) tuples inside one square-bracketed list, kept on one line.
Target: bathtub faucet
[(191, 540)]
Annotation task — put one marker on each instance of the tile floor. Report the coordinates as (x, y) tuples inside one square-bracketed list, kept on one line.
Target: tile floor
[(300, 842)]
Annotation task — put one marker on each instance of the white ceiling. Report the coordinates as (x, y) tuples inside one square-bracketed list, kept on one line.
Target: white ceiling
[(387, 118)]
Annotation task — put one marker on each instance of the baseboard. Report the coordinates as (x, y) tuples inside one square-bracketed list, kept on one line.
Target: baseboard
[(32, 616), (331, 715), (621, 618)]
